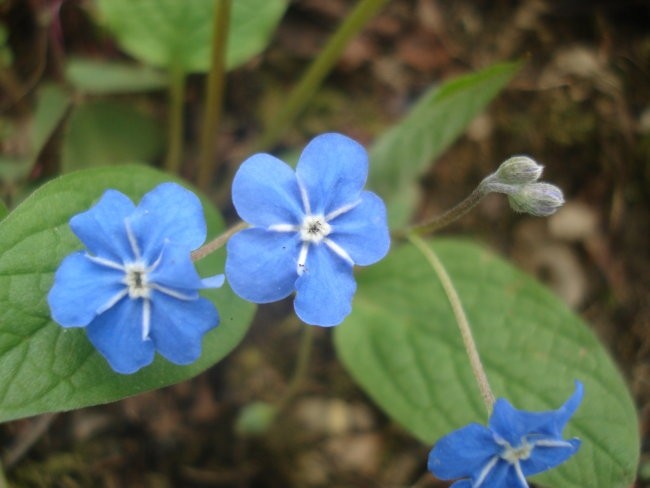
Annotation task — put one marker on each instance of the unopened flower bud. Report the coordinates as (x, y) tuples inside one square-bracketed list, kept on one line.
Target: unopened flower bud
[(519, 170), (538, 199)]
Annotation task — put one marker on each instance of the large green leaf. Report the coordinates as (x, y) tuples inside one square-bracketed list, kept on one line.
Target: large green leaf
[(177, 34), (106, 133), (3, 210), (402, 346), (101, 77), (400, 155), (48, 368)]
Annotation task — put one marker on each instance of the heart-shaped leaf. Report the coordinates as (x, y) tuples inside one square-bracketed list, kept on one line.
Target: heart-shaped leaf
[(177, 34), (48, 368), (402, 345)]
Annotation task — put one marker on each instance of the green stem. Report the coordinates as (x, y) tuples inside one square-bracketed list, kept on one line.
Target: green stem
[(175, 135), (319, 68), (302, 364), (217, 242), (452, 214), (461, 320), (214, 94)]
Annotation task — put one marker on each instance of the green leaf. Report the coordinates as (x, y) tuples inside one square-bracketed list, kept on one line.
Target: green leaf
[(400, 155), (51, 107), (3, 210), (48, 368), (102, 77), (402, 345), (105, 133), (178, 34)]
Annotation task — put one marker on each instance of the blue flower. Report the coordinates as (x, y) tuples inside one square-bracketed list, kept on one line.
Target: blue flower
[(308, 228), (516, 444), (136, 289)]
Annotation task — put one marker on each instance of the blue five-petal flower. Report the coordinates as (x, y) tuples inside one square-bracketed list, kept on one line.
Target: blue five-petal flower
[(516, 444), (135, 289), (308, 228)]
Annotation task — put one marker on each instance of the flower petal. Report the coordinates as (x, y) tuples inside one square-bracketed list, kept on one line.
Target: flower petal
[(101, 228), (512, 424), (168, 212), (333, 169), (544, 458), (81, 288), (265, 192), (463, 453), (117, 335), (176, 270), (363, 231), (177, 327), (261, 265), (503, 475), (325, 289)]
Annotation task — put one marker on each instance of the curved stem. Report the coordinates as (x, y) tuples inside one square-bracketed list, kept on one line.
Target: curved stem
[(214, 94), (217, 242), (461, 320), (317, 71), (300, 372)]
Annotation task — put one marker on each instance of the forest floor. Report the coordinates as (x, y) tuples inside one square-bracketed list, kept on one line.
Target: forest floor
[(580, 105)]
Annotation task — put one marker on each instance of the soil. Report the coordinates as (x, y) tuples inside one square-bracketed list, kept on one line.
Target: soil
[(580, 106)]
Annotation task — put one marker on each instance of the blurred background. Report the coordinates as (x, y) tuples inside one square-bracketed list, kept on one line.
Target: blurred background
[(580, 105)]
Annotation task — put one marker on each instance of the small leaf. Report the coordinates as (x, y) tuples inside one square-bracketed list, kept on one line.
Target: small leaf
[(107, 133), (402, 345), (48, 368), (178, 34), (103, 77), (51, 107), (400, 155)]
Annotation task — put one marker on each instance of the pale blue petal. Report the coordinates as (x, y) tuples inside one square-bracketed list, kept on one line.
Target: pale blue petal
[(101, 228), (261, 265), (325, 290), (176, 270), (117, 335), (512, 424), (333, 169), (265, 192), (363, 231), (502, 475), (177, 327), (168, 212), (462, 484), (544, 458), (463, 453), (81, 287)]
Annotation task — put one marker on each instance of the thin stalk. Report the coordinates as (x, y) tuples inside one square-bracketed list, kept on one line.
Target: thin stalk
[(452, 214), (175, 134), (217, 242), (302, 365), (214, 94), (461, 320), (319, 69)]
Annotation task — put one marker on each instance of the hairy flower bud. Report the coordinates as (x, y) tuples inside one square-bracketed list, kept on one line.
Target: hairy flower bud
[(519, 170), (538, 199)]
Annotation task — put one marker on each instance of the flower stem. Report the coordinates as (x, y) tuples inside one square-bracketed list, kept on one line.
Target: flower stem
[(217, 242), (452, 214), (461, 319), (214, 94), (300, 372), (319, 69), (175, 130)]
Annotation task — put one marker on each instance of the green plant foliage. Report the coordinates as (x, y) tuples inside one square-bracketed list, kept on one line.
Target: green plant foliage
[(401, 154), (177, 34), (3, 210), (402, 345), (48, 368), (105, 133), (104, 77)]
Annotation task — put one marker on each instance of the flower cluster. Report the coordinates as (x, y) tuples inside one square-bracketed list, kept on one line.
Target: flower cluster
[(308, 229), (135, 289), (516, 444)]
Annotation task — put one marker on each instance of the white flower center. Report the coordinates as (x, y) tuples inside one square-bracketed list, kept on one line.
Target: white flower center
[(515, 454), (314, 228), (136, 280)]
